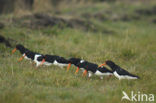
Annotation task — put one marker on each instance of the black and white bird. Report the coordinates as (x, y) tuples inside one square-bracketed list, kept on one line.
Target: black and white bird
[(22, 50), (55, 60), (27, 54), (103, 71), (34, 57), (93, 69), (75, 62), (119, 72)]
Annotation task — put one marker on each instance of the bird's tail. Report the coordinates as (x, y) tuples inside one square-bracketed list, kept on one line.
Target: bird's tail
[(135, 76)]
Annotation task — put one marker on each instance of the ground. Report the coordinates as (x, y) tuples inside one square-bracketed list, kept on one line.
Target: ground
[(130, 43)]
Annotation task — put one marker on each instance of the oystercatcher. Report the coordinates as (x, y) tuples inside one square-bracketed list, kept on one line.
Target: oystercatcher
[(103, 71), (119, 72), (27, 54), (34, 57), (75, 62), (19, 47), (22, 50), (88, 67), (92, 68), (30, 55), (55, 60), (42, 59)]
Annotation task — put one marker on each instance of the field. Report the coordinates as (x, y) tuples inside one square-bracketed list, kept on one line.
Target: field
[(131, 43)]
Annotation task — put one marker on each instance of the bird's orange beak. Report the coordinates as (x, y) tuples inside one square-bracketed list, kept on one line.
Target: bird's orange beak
[(102, 64), (69, 65), (77, 70), (84, 73), (42, 62), (13, 51), (21, 58)]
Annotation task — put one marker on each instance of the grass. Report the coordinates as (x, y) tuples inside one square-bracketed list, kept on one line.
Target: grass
[(132, 46)]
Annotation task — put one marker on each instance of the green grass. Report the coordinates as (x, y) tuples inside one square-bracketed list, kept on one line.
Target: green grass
[(132, 46)]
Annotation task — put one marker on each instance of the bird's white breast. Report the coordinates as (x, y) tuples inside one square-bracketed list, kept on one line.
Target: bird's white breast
[(25, 57), (36, 61), (59, 64), (47, 63), (123, 76), (101, 74)]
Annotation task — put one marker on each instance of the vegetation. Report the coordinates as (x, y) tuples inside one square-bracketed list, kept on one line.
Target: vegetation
[(131, 44)]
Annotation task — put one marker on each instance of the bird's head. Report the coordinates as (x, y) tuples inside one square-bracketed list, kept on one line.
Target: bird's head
[(19, 47), (110, 64)]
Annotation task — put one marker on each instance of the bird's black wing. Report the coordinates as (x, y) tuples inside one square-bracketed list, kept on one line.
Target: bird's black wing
[(62, 60), (121, 71), (51, 58), (92, 67), (104, 70), (82, 65)]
